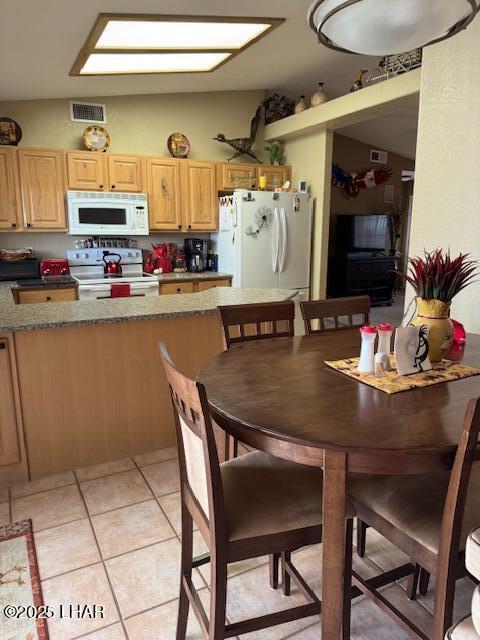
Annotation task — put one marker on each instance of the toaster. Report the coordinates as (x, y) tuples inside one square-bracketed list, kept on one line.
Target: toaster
[(54, 267)]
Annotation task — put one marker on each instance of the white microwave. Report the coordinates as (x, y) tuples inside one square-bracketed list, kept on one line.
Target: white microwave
[(107, 214)]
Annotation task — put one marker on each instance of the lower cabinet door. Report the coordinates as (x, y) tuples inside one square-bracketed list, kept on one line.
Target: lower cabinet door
[(9, 450)]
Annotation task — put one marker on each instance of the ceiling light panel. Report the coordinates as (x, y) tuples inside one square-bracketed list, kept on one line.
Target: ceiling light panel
[(117, 63), (124, 43), (136, 34)]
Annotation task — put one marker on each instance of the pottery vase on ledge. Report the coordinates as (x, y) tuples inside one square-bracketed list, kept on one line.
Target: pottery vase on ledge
[(435, 315)]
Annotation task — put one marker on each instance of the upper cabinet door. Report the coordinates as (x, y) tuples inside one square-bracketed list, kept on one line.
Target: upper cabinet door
[(276, 175), (236, 176), (87, 170), (199, 190), (163, 178), (125, 173), (9, 190), (42, 179)]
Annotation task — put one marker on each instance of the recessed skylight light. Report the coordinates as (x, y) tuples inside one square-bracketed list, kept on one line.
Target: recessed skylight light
[(104, 63), (136, 34), (128, 44)]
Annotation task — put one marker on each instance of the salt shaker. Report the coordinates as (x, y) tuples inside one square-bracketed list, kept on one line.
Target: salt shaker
[(385, 332), (367, 352)]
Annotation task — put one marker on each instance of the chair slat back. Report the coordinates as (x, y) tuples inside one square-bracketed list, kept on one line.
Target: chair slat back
[(245, 322), (329, 313), (452, 520), (198, 458)]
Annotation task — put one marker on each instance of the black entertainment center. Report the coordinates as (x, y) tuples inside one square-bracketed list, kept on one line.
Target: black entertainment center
[(360, 263)]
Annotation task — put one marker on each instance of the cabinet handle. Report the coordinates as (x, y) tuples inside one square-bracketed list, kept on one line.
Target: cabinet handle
[(14, 225), (113, 186), (3, 345), (48, 298), (179, 226), (178, 289), (29, 224), (100, 186), (189, 226)]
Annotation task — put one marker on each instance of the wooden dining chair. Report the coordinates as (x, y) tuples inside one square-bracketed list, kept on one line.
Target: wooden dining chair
[(246, 507), (335, 314), (428, 517), (244, 322)]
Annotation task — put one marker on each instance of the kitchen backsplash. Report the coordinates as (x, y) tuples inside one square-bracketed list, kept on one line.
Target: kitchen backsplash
[(55, 245)]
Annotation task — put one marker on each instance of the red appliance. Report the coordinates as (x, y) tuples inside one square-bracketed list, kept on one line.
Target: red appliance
[(112, 267), (164, 255), (149, 264), (54, 267)]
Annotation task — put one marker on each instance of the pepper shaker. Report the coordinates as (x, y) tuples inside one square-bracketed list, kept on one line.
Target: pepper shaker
[(385, 332)]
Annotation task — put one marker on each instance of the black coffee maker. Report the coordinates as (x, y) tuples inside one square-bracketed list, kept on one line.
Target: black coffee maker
[(196, 254)]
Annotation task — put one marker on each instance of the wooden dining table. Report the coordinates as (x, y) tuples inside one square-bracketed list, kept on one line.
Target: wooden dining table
[(279, 396)]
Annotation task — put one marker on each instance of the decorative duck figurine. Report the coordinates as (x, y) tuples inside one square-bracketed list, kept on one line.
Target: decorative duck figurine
[(358, 84), (319, 97), (301, 105)]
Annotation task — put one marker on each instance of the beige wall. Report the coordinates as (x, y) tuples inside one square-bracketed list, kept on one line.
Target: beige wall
[(141, 124), (446, 202)]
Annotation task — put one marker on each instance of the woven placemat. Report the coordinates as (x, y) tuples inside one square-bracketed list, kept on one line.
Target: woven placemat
[(391, 382)]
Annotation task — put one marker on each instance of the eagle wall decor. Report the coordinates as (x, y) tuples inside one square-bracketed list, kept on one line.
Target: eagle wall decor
[(243, 146), (352, 183)]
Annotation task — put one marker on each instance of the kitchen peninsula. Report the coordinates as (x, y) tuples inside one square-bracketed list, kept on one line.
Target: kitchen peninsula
[(81, 381)]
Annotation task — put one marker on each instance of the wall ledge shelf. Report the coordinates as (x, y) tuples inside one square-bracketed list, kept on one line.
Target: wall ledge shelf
[(372, 101)]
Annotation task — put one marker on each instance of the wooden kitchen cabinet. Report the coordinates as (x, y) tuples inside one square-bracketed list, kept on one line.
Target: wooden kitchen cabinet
[(210, 284), (125, 173), (10, 211), (86, 170), (45, 295), (163, 180), (276, 175), (176, 287), (43, 184), (236, 176), (99, 172), (9, 409), (199, 195)]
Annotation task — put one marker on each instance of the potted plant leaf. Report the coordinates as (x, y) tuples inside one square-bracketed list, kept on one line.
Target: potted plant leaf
[(436, 279)]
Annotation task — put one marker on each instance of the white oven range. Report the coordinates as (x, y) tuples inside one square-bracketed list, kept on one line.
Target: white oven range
[(87, 267)]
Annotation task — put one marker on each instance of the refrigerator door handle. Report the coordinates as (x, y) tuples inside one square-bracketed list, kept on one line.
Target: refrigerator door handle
[(275, 241), (284, 241)]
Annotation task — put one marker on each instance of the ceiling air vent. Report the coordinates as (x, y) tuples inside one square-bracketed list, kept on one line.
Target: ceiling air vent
[(378, 156), (88, 112)]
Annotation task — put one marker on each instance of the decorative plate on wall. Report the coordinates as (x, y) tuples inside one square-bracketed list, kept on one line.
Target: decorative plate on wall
[(178, 145), (10, 132), (96, 138)]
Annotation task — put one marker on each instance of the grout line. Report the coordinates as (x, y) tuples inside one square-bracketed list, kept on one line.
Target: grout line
[(202, 579), (91, 633), (36, 493), (112, 590)]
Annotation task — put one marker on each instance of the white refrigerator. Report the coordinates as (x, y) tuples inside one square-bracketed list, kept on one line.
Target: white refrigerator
[(265, 239)]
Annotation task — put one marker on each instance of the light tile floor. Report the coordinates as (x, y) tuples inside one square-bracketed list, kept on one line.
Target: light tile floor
[(110, 535)]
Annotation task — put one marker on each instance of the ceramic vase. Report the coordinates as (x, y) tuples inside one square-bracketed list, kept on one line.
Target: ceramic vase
[(435, 315), (301, 105), (319, 97)]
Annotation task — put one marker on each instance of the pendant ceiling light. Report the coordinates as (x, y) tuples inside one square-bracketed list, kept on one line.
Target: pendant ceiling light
[(384, 27)]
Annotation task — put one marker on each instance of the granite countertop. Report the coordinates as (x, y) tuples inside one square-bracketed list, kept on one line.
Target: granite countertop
[(187, 276), (28, 317)]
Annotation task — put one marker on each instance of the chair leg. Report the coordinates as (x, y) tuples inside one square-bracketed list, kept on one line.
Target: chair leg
[(186, 571), (218, 599), (361, 537), (412, 585), (347, 581), (286, 556), (424, 581), (273, 562)]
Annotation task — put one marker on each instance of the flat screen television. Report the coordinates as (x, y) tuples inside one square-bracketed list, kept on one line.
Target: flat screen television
[(355, 233)]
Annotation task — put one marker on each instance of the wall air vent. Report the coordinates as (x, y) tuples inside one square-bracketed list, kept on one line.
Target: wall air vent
[(88, 112), (378, 156)]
